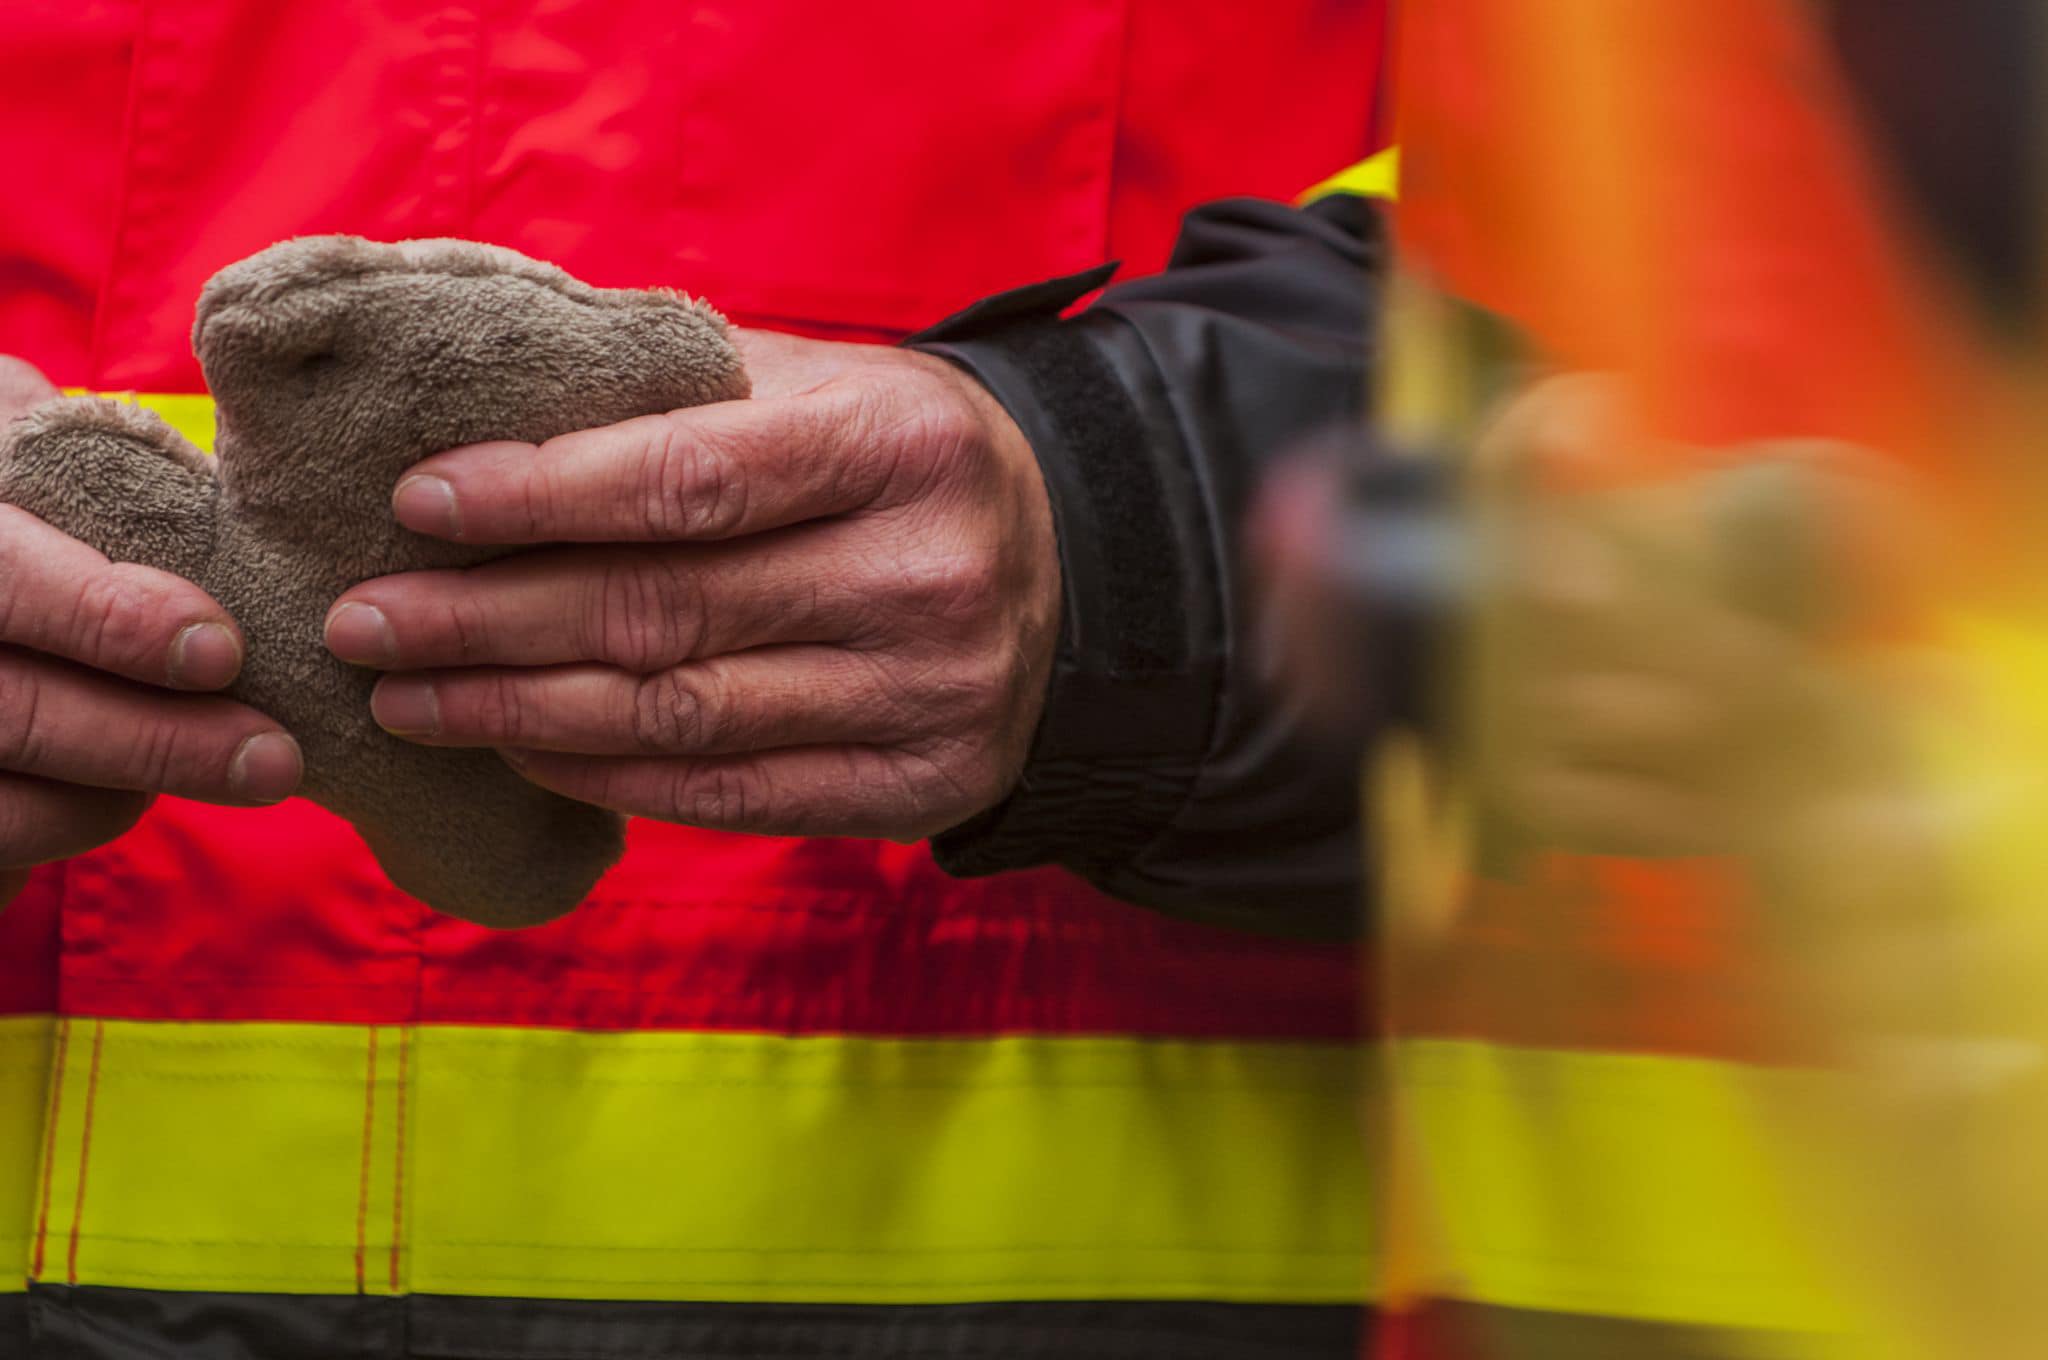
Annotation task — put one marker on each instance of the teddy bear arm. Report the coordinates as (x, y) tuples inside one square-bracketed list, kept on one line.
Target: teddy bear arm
[(115, 477)]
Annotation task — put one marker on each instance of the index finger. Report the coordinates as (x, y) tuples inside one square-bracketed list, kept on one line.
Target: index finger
[(709, 472), (64, 597)]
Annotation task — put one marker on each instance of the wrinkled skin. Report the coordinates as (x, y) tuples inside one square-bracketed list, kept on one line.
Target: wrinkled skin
[(826, 611), (105, 673)]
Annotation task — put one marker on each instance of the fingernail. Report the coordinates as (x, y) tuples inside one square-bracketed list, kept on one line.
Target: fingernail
[(204, 656), (266, 768), (406, 708), (360, 633), (427, 504)]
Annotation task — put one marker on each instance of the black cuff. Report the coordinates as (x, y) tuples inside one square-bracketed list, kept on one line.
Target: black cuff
[(1130, 702)]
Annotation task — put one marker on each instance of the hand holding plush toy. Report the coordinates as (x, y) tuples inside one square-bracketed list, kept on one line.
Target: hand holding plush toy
[(336, 364)]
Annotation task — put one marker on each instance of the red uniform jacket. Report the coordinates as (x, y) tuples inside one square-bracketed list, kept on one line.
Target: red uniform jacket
[(1003, 1116)]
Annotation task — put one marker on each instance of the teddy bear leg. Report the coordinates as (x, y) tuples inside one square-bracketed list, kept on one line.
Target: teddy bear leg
[(116, 477), (466, 835)]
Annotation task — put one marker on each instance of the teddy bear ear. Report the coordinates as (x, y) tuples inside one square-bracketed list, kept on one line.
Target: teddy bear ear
[(269, 329), (116, 477)]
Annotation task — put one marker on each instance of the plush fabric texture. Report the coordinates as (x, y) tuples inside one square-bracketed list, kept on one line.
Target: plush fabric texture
[(337, 363)]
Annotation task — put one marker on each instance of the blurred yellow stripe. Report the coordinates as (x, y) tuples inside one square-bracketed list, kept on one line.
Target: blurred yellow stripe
[(1616, 1185)]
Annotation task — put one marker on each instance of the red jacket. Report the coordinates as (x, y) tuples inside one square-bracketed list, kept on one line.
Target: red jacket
[(749, 1076)]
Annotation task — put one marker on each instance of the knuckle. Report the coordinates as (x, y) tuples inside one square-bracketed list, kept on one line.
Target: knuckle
[(165, 757), (668, 714), (859, 410), (869, 619), (117, 618), (717, 796), (883, 448), (942, 427), (899, 400), (500, 709), (984, 688), (974, 717), (942, 776), (691, 484), (952, 589), (536, 500), (470, 626), (926, 433), (904, 694), (493, 706), (649, 613), (901, 795)]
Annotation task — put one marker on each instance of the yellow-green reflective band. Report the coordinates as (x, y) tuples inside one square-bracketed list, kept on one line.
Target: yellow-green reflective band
[(1377, 176), (188, 413), (24, 1080), (744, 1167), (1617, 1185)]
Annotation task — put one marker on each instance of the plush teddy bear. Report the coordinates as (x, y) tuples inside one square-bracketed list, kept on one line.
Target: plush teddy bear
[(337, 363)]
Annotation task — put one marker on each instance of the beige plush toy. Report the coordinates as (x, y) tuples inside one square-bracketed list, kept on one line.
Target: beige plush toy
[(337, 363)]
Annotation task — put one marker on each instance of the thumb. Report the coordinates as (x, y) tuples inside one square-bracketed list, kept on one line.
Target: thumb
[(22, 387)]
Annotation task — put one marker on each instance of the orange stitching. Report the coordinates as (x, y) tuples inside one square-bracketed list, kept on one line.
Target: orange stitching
[(363, 1176), (398, 1162), (92, 1090), (50, 1145)]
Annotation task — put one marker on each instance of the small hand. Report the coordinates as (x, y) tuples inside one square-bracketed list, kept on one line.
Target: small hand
[(826, 610)]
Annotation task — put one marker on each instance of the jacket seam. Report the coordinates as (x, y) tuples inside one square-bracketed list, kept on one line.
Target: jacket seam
[(105, 295)]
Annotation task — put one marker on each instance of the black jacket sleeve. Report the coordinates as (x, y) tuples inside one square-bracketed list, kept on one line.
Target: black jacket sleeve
[(1168, 769)]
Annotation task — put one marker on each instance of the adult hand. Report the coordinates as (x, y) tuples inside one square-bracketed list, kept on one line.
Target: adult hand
[(826, 610), (91, 652)]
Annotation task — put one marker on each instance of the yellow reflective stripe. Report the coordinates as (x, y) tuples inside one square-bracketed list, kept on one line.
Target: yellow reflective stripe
[(24, 1085), (745, 1167), (1616, 1185), (1377, 176), (188, 413)]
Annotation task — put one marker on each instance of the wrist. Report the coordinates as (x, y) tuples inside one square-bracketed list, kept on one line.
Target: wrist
[(1023, 563), (1128, 708)]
